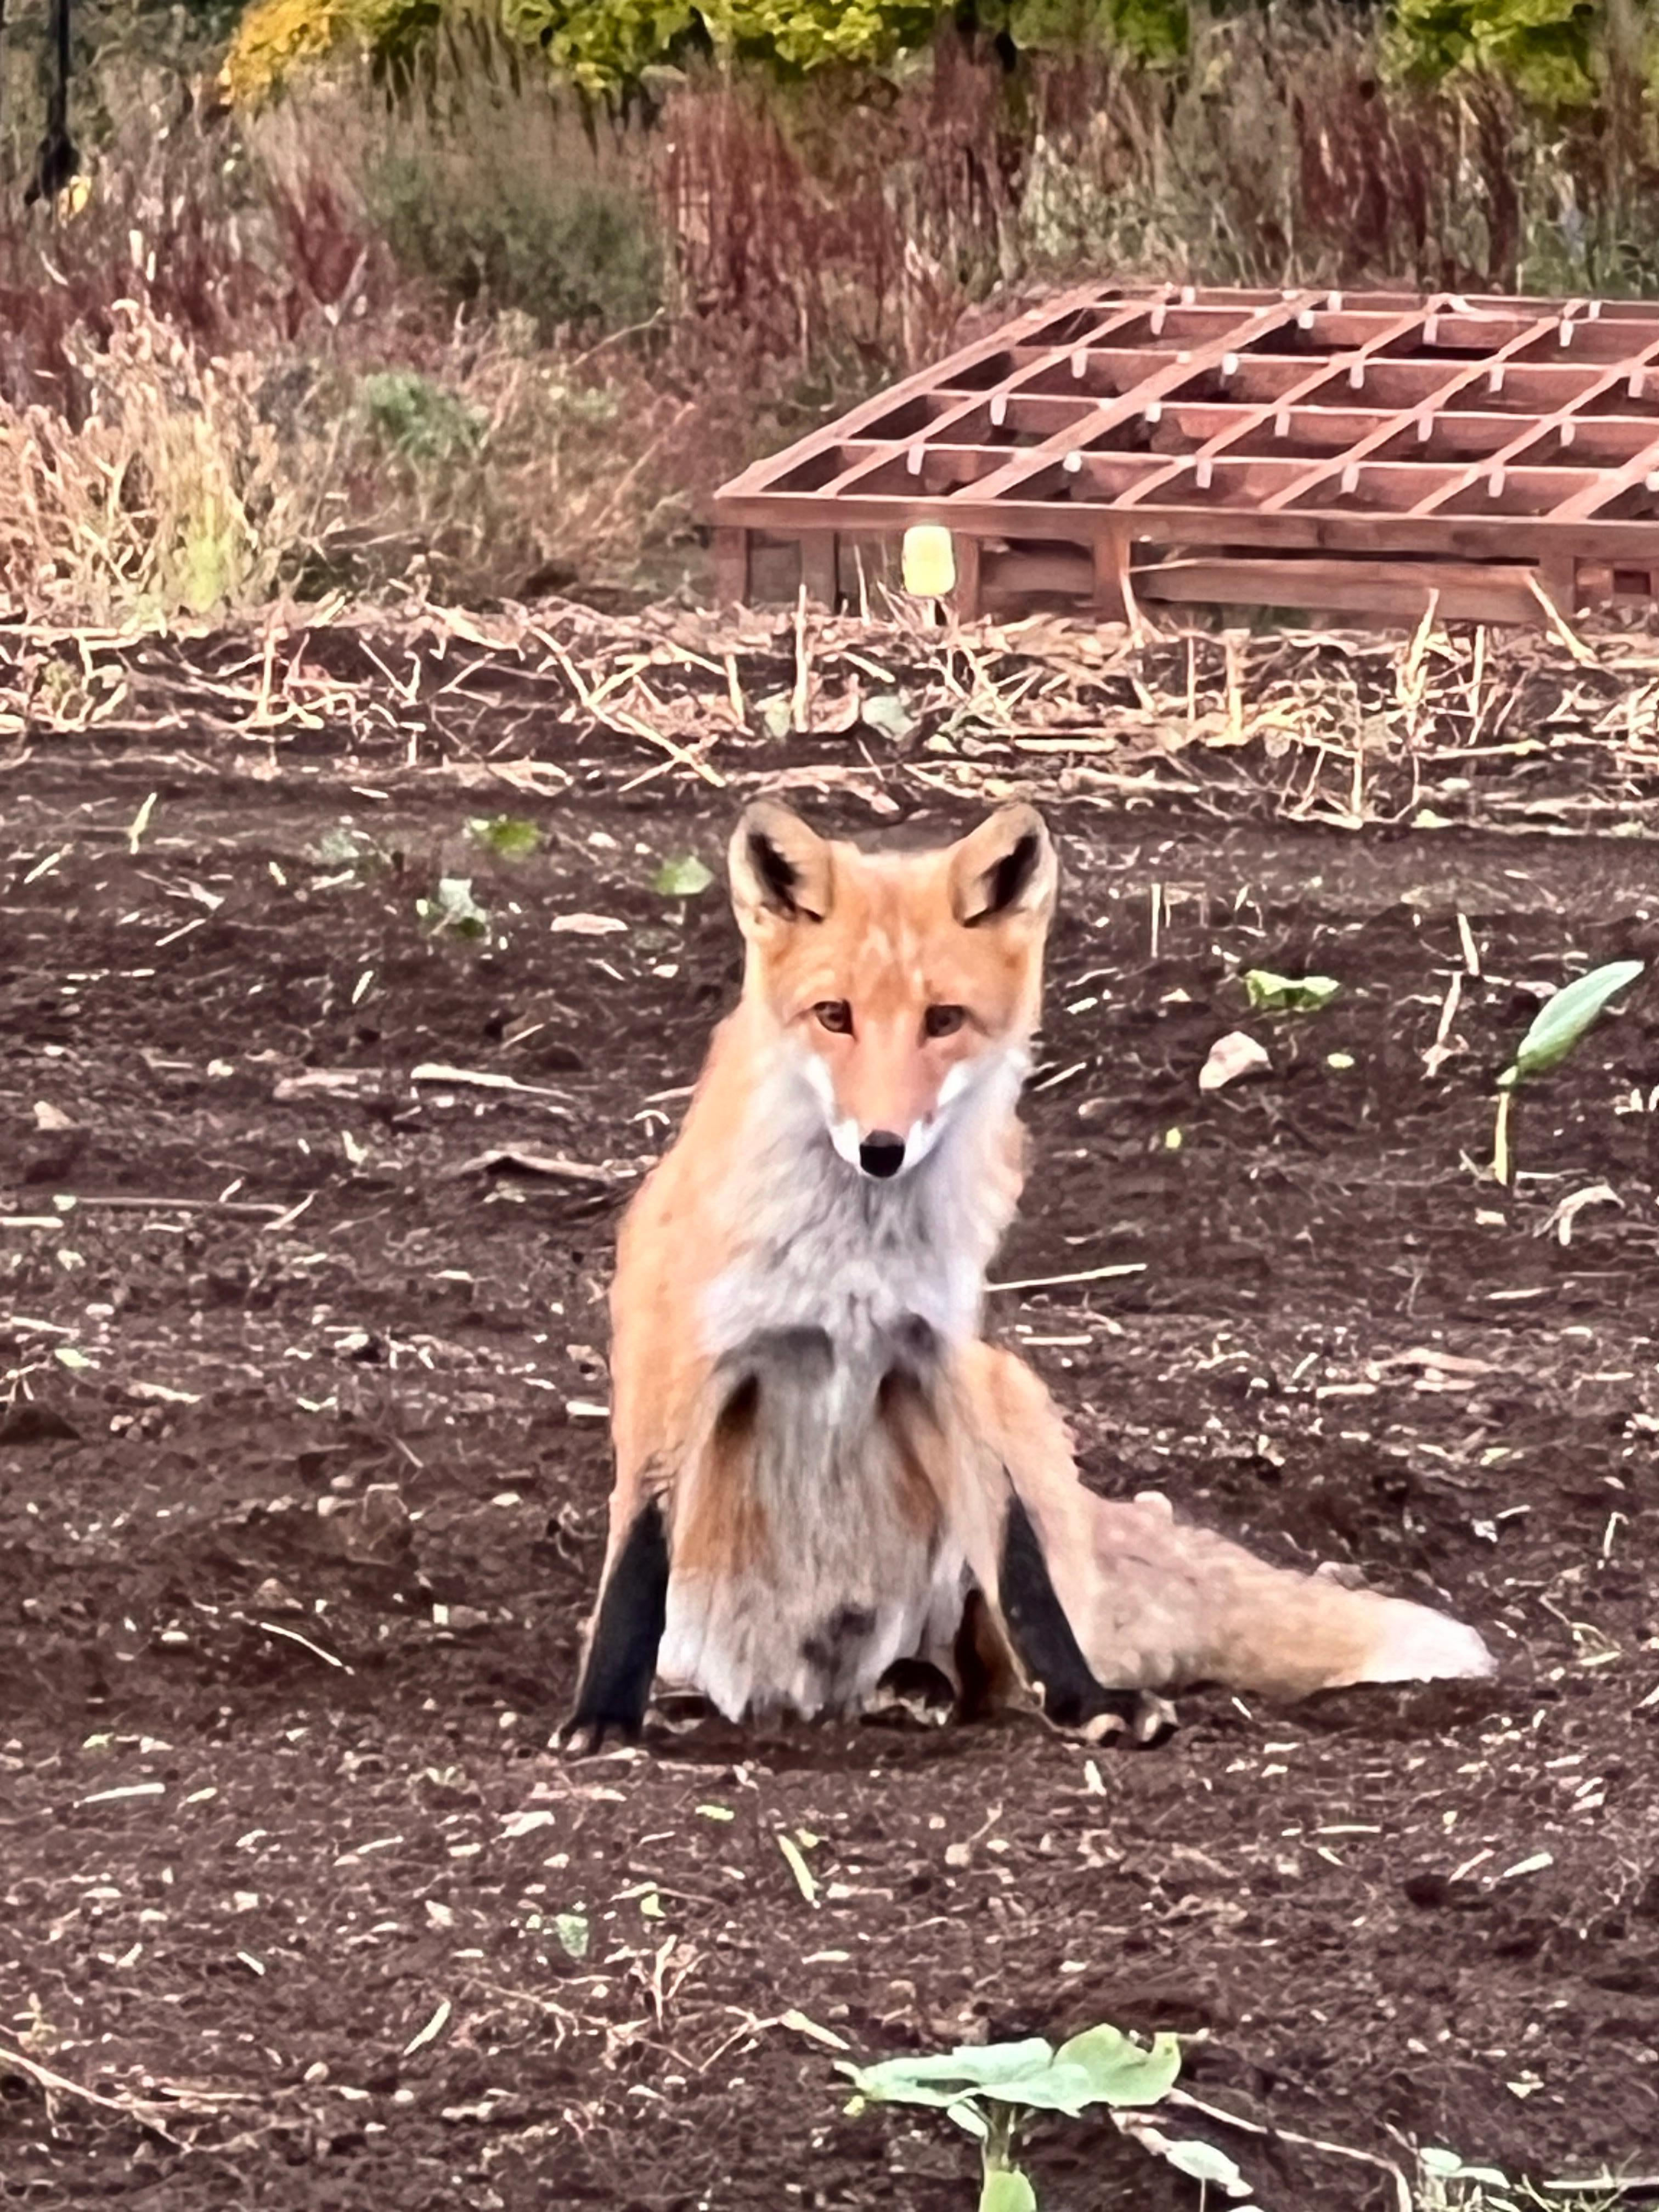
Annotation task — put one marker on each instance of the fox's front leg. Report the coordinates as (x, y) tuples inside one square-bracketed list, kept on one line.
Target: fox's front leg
[(1045, 1644), (620, 1662), (1014, 1623)]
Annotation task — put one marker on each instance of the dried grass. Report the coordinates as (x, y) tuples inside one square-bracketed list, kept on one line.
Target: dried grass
[(252, 367)]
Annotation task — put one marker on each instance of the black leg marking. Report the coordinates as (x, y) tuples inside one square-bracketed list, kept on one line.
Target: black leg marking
[(622, 1660), (1046, 1644)]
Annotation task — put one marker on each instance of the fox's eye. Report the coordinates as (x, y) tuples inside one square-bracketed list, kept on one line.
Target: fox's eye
[(943, 1021), (837, 1015)]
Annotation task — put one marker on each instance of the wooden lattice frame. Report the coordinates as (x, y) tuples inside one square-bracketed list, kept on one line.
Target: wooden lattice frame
[(1304, 448)]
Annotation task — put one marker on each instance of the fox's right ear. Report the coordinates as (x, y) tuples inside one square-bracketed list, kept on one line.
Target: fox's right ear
[(779, 865)]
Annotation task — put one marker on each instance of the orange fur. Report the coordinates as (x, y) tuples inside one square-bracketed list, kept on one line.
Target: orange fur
[(798, 1375)]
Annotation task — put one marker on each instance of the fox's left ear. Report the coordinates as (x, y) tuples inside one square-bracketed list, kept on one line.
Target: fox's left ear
[(1005, 867), (780, 867)]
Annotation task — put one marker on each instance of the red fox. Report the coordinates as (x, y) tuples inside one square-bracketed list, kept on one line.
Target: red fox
[(821, 1469)]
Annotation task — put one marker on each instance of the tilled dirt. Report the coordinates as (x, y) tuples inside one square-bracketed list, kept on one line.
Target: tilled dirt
[(301, 1497)]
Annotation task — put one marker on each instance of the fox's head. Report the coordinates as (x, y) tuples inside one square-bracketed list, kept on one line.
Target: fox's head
[(900, 984)]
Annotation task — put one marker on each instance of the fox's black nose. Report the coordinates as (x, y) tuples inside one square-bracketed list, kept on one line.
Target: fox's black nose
[(881, 1153)]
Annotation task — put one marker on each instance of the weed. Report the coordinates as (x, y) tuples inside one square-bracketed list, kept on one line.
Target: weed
[(452, 911), (684, 877), (417, 418), (989, 2090), (508, 836), (1559, 1024)]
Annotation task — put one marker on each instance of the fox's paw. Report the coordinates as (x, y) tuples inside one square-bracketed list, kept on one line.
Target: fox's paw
[(587, 1731), (1133, 1720), (912, 1690)]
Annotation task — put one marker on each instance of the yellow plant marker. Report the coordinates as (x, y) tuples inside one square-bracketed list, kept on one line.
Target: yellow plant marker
[(930, 561)]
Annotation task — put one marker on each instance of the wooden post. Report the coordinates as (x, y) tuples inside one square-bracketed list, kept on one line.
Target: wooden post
[(731, 566), (968, 598), (1111, 565), (820, 568), (1595, 583), (1558, 574)]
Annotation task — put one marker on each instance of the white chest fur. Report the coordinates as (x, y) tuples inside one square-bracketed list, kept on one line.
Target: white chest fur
[(851, 1583), (823, 1246)]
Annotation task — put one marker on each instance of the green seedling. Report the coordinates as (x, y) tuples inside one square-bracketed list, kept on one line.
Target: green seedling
[(453, 912), (684, 877), (987, 2091), (508, 836), (1560, 1023), (1288, 994)]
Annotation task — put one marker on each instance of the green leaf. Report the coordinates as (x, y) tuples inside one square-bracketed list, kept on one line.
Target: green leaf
[(1287, 995), (777, 715), (509, 837), (942, 2081), (1563, 1020), (1103, 2066), (888, 712), (1007, 2190), (571, 1929), (1122, 2071), (684, 877)]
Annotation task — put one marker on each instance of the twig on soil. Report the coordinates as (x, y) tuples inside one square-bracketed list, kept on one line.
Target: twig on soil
[(482, 1079), (143, 2110), (1402, 2186), (293, 1635), (1087, 1275), (541, 1164), (177, 1205)]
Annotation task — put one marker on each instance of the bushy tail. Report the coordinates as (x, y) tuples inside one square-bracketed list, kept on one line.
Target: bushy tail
[(1172, 1604)]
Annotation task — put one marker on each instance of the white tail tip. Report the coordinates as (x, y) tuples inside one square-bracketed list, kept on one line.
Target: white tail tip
[(1417, 1644)]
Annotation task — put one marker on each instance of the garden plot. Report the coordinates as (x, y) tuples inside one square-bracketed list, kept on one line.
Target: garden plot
[(308, 1198)]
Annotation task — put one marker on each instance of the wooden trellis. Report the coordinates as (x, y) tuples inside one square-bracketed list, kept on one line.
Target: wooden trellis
[(1311, 449)]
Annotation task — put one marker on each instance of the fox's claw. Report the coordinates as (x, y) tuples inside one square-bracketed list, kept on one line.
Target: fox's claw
[(1130, 1719), (584, 1733)]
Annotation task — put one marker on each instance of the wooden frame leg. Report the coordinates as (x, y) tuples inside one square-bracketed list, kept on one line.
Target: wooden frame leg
[(820, 566), (1111, 567), (967, 599), (731, 566), (1558, 574)]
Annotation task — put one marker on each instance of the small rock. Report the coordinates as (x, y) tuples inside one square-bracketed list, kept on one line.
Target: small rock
[(1231, 1057)]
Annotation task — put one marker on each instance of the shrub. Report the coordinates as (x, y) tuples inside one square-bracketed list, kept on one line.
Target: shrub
[(490, 225)]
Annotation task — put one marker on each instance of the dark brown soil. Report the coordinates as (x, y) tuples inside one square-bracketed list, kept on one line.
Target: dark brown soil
[(300, 1508)]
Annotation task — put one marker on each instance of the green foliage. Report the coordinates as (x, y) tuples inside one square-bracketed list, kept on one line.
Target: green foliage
[(684, 877), (602, 45), (984, 2089), (1156, 32), (508, 836), (798, 35), (571, 253), (453, 912), (1556, 1029), (1545, 48), (1289, 994), (607, 47), (1565, 1019), (416, 418)]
